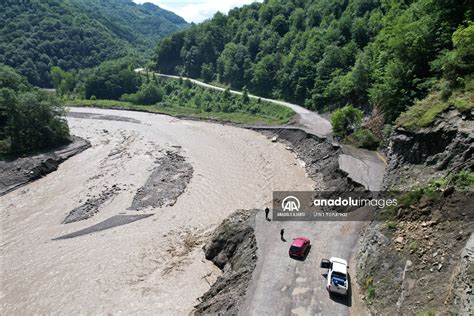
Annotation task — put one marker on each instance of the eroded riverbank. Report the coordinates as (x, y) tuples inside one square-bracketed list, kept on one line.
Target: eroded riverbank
[(21, 171)]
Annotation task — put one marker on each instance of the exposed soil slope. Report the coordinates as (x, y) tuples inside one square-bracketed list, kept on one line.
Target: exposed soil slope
[(418, 259), (233, 249)]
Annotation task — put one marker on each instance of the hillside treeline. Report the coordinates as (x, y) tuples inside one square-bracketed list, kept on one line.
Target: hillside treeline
[(325, 54)]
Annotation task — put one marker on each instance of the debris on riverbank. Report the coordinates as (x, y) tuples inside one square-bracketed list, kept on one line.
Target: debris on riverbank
[(165, 184), (232, 248), (21, 171), (319, 155)]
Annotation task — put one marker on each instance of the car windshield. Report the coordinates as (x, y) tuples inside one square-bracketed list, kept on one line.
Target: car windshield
[(294, 248)]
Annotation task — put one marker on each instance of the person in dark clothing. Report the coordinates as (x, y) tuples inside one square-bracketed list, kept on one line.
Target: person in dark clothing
[(282, 233), (267, 211)]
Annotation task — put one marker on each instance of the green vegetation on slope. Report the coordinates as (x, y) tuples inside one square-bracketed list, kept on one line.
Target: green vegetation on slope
[(36, 35), (424, 112), (323, 54), (30, 119), (433, 190), (455, 90), (115, 84)]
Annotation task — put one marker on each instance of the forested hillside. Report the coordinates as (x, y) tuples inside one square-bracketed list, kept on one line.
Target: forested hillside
[(325, 54), (36, 35)]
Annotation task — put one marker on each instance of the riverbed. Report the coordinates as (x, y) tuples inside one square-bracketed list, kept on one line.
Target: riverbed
[(153, 263)]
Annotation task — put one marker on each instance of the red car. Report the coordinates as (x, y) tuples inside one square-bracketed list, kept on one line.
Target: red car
[(299, 247)]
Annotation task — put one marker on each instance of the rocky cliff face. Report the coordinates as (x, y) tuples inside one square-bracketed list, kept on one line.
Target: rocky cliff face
[(445, 145), (419, 258)]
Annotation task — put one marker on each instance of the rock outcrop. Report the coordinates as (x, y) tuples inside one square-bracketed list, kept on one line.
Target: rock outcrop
[(447, 144), (414, 259)]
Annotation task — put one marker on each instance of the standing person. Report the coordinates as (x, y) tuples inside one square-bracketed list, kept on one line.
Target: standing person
[(267, 211), (282, 233)]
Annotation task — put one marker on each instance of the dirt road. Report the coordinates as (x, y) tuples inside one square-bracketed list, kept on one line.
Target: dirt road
[(147, 265)]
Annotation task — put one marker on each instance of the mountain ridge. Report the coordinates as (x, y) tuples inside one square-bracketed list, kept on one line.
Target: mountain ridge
[(76, 34)]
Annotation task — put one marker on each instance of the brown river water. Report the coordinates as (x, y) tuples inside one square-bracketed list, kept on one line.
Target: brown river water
[(151, 266)]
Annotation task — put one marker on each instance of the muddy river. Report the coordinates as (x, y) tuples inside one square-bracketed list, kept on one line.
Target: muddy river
[(153, 264)]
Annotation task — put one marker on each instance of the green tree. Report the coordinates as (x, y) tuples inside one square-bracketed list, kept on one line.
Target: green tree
[(64, 82), (245, 96), (149, 93), (29, 119), (460, 61), (111, 80), (264, 75), (232, 63), (207, 72)]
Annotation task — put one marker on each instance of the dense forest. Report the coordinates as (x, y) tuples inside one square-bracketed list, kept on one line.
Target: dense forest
[(30, 119), (326, 54), (36, 35)]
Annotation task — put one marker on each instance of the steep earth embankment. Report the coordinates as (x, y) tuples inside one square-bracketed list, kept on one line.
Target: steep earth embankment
[(233, 249), (20, 171), (418, 257), (428, 153), (320, 155)]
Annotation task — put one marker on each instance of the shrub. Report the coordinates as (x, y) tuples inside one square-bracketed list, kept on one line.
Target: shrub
[(148, 94), (392, 225), (346, 120), (463, 180), (370, 294), (365, 138)]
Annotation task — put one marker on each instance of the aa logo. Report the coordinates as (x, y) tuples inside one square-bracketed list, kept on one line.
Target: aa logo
[(290, 204)]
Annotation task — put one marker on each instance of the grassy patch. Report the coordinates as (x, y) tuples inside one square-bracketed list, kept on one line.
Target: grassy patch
[(432, 191), (429, 313), (424, 112), (370, 294), (269, 114), (463, 180), (413, 245), (368, 286)]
